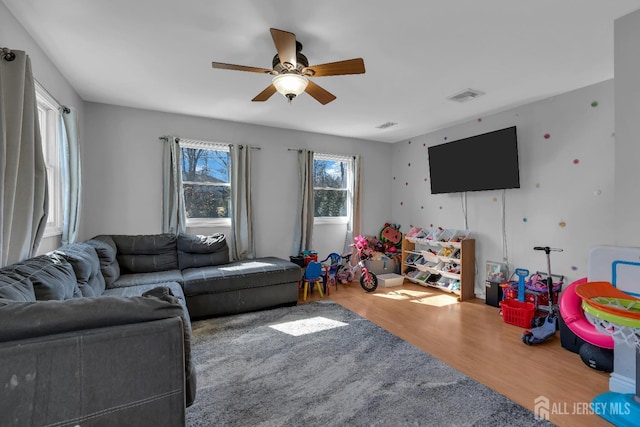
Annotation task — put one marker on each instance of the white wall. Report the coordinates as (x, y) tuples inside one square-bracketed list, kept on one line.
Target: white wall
[(123, 174), (627, 102), (554, 190), (14, 36)]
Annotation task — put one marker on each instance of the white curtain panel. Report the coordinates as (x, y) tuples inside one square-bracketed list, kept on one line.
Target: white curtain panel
[(173, 210), (71, 173), (304, 220), (242, 244), (23, 175)]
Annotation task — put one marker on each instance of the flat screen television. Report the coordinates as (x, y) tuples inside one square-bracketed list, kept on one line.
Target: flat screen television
[(483, 162)]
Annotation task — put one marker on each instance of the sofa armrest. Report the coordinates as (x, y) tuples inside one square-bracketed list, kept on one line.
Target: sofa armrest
[(129, 374), (22, 320)]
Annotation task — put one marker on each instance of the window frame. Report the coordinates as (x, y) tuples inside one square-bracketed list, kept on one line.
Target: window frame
[(212, 146), (49, 109), (320, 220)]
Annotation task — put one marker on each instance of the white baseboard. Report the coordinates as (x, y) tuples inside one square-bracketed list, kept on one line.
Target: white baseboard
[(621, 384)]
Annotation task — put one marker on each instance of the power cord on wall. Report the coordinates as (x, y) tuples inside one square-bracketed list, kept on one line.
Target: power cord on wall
[(463, 200), (505, 251)]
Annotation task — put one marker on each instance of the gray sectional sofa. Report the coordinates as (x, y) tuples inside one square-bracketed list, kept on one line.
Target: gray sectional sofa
[(98, 332)]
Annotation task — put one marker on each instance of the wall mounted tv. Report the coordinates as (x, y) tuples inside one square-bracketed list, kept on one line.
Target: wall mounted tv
[(482, 162)]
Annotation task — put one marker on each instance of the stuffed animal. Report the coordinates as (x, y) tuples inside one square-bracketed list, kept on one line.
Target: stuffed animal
[(390, 233)]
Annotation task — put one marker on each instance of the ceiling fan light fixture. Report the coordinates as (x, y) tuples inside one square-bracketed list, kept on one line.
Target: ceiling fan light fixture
[(290, 85)]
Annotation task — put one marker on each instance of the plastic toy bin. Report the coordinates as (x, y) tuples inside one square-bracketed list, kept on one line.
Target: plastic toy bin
[(517, 313), (390, 280)]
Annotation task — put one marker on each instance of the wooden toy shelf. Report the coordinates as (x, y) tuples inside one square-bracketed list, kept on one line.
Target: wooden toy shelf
[(452, 263)]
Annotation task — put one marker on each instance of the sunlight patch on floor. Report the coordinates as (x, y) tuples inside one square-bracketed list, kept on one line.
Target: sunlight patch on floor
[(403, 294), (393, 295), (307, 326), (438, 300)]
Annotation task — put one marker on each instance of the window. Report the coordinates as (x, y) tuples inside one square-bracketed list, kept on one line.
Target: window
[(332, 186), (205, 181), (48, 118)]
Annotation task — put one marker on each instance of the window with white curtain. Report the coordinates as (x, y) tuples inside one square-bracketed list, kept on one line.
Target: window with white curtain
[(206, 182), (48, 117), (332, 187)]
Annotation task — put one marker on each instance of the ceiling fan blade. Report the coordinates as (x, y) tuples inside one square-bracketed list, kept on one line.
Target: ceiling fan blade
[(224, 66), (320, 94), (349, 66), (265, 94), (285, 45)]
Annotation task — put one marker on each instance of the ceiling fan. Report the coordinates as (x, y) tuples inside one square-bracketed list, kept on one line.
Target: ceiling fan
[(291, 70)]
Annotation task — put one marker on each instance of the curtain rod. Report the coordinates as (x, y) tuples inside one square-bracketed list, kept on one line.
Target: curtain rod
[(164, 138), (7, 54), (324, 154)]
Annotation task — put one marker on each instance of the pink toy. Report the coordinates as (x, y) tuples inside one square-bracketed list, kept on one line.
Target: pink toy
[(570, 306)]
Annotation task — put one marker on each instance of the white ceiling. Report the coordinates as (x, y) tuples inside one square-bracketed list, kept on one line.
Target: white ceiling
[(156, 54)]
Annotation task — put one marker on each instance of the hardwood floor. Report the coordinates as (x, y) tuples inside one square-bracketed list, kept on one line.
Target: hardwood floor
[(472, 337)]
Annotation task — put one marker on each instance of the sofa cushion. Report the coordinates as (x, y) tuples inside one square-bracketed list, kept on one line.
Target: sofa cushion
[(107, 254), (135, 279), (246, 274), (146, 253), (15, 287), (86, 265), (202, 251), (51, 275)]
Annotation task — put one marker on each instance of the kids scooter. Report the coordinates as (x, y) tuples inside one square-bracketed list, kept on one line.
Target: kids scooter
[(550, 325)]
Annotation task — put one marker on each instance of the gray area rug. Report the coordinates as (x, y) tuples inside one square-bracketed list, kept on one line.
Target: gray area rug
[(337, 369)]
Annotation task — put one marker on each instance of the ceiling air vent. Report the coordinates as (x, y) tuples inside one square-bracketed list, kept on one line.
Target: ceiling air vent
[(386, 125), (466, 95)]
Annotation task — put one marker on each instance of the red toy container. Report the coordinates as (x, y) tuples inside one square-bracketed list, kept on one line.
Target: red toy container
[(517, 313)]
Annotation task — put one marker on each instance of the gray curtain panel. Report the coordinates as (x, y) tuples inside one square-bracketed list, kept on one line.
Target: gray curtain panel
[(71, 173), (23, 175), (173, 210), (242, 244), (304, 221), (354, 227)]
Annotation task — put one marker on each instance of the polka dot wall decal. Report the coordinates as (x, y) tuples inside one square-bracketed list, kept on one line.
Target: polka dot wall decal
[(576, 161), (597, 192), (445, 138), (538, 185), (547, 136), (524, 219), (425, 180), (424, 145), (594, 104), (409, 164), (562, 224), (440, 207), (430, 225), (401, 203), (394, 178), (421, 207), (406, 183), (574, 268), (409, 142), (495, 199), (479, 119)]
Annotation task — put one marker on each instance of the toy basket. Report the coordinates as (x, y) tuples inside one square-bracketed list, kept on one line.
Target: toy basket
[(517, 313)]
